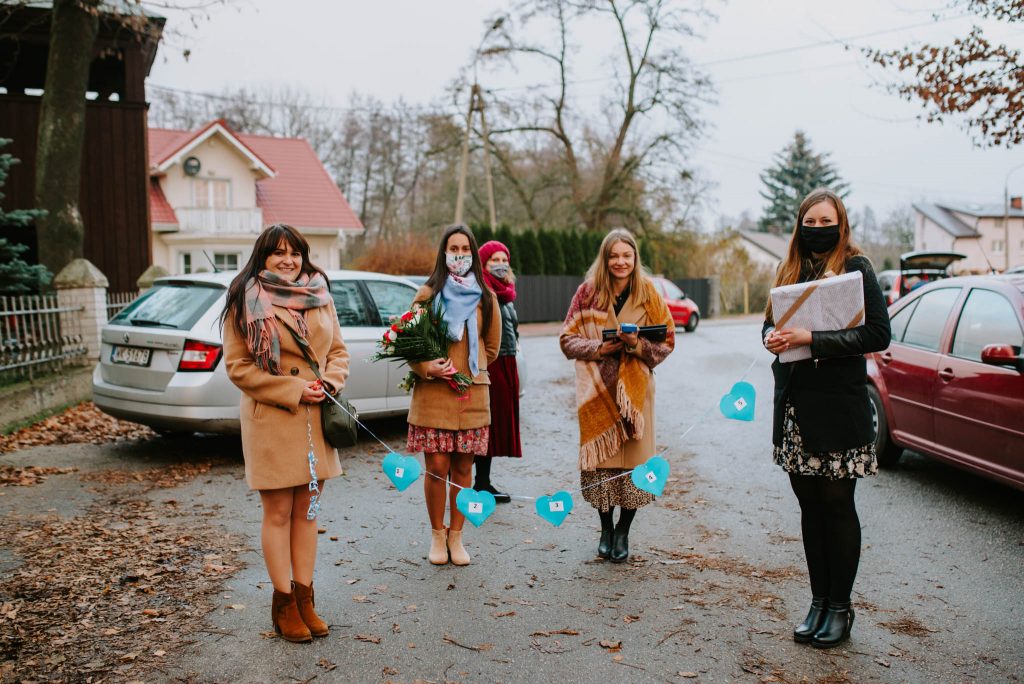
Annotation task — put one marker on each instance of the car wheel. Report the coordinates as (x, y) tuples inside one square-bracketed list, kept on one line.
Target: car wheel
[(888, 453), (691, 324)]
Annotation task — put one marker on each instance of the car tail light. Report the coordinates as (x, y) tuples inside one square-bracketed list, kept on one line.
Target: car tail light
[(199, 356)]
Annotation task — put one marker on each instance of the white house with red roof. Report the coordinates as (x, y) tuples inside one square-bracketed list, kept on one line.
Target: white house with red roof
[(213, 190)]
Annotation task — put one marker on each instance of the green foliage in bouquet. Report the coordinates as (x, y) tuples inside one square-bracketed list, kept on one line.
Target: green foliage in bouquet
[(415, 336)]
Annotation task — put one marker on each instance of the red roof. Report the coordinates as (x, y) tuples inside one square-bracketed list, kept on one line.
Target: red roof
[(301, 193), (160, 209)]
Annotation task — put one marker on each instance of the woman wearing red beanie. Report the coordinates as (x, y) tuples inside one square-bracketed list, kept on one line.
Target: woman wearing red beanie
[(504, 438)]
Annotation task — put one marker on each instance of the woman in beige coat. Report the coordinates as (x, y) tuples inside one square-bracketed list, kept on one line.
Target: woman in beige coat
[(615, 382), (448, 428), (280, 292)]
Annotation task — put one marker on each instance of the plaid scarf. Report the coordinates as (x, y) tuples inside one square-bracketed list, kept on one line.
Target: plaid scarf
[(611, 392), (265, 292)]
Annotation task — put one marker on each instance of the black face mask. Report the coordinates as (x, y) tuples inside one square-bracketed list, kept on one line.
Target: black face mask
[(819, 240)]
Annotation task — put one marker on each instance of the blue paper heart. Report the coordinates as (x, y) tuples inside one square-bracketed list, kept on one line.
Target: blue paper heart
[(651, 476), (401, 470), (738, 404), (555, 508), (476, 506)]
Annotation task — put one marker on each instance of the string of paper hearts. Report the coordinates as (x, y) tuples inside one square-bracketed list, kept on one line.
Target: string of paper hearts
[(651, 476)]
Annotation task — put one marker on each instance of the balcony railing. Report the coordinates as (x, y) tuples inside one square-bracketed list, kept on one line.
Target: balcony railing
[(218, 221)]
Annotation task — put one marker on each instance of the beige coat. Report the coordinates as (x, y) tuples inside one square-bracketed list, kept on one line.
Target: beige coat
[(635, 452), (274, 421), (434, 403)]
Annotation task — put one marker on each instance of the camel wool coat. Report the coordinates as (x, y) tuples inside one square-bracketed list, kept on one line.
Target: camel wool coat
[(274, 421), (434, 403)]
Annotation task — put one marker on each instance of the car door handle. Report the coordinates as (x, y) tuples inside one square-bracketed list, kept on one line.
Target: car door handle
[(946, 374), (886, 358)]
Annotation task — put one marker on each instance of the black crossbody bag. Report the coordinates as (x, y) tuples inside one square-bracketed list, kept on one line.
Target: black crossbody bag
[(340, 428)]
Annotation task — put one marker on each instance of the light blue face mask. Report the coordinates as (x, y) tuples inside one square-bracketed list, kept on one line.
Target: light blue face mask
[(499, 271), (458, 264)]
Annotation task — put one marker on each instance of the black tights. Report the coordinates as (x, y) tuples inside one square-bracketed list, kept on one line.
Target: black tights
[(625, 519), (831, 534)]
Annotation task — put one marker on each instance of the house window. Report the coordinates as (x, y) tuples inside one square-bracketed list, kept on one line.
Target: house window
[(998, 246), (186, 263), (211, 193), (226, 261)]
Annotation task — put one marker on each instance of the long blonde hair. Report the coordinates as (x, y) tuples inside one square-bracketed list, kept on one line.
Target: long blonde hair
[(797, 255), (601, 279)]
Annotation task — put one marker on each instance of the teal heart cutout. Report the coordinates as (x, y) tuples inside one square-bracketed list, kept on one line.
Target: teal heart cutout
[(738, 404), (401, 470), (651, 476), (476, 506), (555, 508)]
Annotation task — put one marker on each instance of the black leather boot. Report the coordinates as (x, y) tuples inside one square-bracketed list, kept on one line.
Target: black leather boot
[(835, 628), (604, 547), (620, 545), (804, 632)]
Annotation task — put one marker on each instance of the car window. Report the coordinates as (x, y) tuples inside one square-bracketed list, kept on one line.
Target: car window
[(672, 290), (391, 298), (987, 318), (929, 318), (348, 300), (170, 305), (898, 323)]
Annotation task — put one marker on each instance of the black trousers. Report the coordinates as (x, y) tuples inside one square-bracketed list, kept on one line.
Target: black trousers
[(831, 534)]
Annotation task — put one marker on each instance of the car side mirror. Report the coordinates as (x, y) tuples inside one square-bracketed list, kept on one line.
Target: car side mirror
[(1002, 355)]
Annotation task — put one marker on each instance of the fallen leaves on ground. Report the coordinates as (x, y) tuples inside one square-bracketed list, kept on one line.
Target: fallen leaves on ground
[(479, 647), (26, 476), (109, 593), (162, 477), (907, 625), (81, 424)]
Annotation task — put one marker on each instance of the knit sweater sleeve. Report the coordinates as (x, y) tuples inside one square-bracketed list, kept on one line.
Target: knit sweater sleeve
[(574, 343)]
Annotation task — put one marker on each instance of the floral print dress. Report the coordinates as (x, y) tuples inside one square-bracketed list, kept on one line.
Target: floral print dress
[(835, 465)]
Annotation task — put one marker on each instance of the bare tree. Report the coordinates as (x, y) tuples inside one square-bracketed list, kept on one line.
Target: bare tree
[(653, 106), (971, 78)]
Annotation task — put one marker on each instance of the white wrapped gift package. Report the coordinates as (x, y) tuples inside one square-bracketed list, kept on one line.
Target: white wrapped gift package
[(834, 303)]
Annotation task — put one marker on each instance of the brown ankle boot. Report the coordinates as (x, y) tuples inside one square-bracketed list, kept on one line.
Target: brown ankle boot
[(287, 621), (305, 603)]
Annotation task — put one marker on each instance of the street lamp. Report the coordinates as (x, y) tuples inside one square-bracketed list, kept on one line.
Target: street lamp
[(1006, 215)]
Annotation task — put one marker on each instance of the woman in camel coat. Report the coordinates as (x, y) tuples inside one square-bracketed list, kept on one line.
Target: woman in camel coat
[(277, 293)]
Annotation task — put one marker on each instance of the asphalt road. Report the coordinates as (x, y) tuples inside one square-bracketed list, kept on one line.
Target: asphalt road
[(715, 584)]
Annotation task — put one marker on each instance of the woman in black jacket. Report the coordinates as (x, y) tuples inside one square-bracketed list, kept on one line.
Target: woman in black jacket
[(822, 432)]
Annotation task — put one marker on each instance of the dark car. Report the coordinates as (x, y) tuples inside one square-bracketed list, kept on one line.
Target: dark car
[(951, 383), (684, 310)]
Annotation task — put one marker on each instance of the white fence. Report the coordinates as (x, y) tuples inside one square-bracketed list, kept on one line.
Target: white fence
[(117, 301)]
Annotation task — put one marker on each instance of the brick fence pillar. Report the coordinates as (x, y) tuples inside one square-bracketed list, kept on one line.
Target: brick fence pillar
[(145, 280), (81, 285)]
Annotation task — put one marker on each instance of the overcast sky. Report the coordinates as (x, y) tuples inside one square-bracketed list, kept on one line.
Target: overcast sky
[(412, 49)]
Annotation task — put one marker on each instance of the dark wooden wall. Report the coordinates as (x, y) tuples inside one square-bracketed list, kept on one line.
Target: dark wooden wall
[(114, 199)]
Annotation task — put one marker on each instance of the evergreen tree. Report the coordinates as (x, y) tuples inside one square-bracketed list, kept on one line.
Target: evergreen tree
[(575, 253), (17, 276), (531, 256), (593, 240), (554, 256), (796, 172), (647, 257), (504, 236), (482, 232)]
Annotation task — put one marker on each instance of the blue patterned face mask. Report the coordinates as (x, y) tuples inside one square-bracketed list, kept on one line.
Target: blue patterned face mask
[(499, 271), (458, 264)]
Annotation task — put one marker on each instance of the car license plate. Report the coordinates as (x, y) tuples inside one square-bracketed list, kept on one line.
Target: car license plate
[(131, 356)]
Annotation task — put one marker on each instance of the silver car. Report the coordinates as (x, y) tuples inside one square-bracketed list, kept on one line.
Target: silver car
[(161, 356)]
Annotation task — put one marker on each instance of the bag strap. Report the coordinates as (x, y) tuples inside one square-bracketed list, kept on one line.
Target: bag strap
[(304, 348)]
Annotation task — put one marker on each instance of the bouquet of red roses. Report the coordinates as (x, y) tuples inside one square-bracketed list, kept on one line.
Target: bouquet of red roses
[(419, 335)]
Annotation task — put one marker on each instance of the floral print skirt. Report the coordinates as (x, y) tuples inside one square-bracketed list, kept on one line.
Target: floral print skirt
[(835, 465), (440, 441), (602, 492)]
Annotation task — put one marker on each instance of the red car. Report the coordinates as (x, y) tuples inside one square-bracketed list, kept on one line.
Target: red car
[(684, 310), (951, 383)]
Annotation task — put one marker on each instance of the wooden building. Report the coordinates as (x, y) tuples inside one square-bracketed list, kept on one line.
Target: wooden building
[(114, 199)]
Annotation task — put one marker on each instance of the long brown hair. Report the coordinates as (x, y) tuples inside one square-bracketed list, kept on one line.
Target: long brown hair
[(266, 243), (799, 259), (601, 279), (440, 273)]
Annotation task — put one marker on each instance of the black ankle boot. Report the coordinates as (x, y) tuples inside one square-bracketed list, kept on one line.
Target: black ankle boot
[(804, 632), (620, 545), (604, 547), (835, 628)]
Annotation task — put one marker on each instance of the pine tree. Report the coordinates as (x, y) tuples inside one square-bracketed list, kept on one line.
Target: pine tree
[(796, 172), (554, 255), (482, 232), (531, 256), (576, 260), (505, 236), (17, 276)]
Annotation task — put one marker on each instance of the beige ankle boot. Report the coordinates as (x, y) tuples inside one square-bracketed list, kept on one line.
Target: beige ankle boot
[(455, 548), (438, 547)]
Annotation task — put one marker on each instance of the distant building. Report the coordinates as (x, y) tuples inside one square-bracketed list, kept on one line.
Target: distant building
[(977, 230), (765, 249), (212, 191)]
